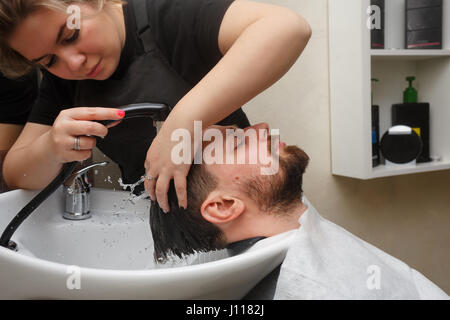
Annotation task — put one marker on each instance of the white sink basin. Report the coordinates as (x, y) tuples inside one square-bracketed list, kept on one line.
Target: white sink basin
[(113, 255)]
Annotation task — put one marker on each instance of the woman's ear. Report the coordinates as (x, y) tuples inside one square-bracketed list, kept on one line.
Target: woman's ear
[(219, 208)]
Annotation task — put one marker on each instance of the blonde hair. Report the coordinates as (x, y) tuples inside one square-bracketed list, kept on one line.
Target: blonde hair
[(12, 13)]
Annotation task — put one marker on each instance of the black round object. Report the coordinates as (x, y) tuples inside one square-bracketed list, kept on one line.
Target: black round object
[(401, 148)]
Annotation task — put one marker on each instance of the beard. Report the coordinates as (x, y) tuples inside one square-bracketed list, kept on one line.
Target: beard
[(281, 192)]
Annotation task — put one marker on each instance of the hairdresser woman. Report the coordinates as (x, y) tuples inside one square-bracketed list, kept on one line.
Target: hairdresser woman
[(204, 58)]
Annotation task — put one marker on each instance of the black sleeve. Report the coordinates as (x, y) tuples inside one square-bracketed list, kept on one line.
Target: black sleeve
[(53, 96), (17, 98), (187, 32)]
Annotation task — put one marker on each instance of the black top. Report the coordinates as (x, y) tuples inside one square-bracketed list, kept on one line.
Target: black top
[(17, 98), (241, 246), (184, 49)]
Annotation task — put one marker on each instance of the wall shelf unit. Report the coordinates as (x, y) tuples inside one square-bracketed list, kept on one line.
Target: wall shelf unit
[(352, 65)]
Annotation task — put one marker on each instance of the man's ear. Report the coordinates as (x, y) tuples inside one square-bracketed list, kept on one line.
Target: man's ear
[(220, 208)]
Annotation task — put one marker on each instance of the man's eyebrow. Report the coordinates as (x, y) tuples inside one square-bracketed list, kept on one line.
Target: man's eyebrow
[(58, 38)]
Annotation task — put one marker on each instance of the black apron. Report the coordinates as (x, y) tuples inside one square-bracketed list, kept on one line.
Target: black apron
[(127, 144)]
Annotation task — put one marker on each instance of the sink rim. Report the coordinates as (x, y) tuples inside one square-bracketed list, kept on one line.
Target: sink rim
[(273, 248)]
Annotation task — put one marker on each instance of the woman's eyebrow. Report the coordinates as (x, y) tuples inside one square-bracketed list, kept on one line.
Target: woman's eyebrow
[(58, 38)]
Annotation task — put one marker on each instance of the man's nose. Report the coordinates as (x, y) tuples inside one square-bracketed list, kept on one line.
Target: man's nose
[(259, 128), (262, 125)]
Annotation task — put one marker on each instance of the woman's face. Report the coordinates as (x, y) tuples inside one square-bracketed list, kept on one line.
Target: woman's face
[(92, 52)]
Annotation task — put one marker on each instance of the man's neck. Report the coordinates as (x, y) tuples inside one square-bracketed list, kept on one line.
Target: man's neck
[(257, 223), (285, 221)]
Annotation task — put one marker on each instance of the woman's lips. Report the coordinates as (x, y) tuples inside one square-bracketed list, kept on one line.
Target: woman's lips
[(95, 71)]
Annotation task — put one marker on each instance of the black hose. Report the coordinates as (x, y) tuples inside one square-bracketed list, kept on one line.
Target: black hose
[(65, 173)]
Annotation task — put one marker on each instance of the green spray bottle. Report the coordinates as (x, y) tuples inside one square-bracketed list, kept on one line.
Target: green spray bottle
[(410, 94), (416, 116)]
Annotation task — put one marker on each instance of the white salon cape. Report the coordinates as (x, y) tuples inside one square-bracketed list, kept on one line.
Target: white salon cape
[(325, 261)]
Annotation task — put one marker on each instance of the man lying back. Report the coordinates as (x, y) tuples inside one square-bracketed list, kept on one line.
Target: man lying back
[(229, 201)]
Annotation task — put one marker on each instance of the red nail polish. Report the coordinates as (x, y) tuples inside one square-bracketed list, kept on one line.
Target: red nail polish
[(121, 113)]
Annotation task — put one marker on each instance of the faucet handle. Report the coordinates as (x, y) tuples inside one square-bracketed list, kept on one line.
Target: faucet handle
[(86, 169), (80, 175), (77, 189)]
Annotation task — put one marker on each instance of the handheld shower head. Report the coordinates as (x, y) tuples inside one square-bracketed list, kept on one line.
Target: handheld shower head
[(157, 111)]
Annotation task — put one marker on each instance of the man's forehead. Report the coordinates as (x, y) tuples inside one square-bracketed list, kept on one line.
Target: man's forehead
[(231, 173)]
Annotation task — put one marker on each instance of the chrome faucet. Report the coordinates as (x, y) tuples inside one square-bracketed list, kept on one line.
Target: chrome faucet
[(77, 193)]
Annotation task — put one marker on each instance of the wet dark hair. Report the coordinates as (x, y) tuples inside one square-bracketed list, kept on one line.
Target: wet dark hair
[(184, 231)]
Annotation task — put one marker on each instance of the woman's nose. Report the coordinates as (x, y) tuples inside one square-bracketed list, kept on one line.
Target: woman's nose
[(74, 60)]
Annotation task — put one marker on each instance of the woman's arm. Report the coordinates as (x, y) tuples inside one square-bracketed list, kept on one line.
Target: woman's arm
[(8, 136), (40, 151), (260, 43), (30, 164)]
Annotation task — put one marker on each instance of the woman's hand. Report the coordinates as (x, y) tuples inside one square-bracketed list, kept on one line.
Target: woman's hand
[(78, 123), (162, 169)]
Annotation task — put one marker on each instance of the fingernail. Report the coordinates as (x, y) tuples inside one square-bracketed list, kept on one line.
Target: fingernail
[(121, 113)]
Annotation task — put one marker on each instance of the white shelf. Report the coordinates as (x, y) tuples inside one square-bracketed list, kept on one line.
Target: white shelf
[(404, 54), (386, 171), (353, 64)]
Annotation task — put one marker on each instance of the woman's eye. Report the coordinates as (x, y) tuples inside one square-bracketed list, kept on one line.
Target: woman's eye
[(73, 38)]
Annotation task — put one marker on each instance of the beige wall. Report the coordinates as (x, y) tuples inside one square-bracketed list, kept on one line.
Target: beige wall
[(406, 216)]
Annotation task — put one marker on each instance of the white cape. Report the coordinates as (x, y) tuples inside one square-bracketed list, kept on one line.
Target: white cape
[(327, 262)]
